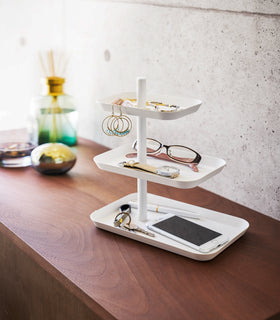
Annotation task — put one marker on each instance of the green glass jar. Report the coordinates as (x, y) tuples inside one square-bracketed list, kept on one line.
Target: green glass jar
[(54, 114)]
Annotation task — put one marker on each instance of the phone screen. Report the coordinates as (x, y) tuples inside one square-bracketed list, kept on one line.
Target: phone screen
[(187, 230)]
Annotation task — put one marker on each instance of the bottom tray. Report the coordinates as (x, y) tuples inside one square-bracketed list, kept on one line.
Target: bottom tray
[(234, 227)]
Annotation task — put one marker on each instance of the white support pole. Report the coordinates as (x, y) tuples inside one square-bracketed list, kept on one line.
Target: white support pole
[(141, 149)]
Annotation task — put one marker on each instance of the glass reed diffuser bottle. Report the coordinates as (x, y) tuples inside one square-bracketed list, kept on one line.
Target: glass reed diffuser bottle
[(54, 113)]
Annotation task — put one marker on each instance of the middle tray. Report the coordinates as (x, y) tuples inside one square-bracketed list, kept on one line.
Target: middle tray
[(208, 167)]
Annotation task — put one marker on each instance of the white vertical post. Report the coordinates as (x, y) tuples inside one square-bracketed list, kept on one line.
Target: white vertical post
[(141, 149)]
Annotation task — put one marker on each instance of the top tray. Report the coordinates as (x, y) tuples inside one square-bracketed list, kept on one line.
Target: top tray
[(187, 106)]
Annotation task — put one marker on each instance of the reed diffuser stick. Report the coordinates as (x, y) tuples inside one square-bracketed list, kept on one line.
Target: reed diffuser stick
[(43, 65), (51, 63), (59, 64), (66, 64)]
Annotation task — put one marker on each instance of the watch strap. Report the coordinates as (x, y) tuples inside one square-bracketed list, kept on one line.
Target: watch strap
[(141, 166)]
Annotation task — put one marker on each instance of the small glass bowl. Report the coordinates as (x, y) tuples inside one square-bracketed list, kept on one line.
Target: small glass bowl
[(15, 154)]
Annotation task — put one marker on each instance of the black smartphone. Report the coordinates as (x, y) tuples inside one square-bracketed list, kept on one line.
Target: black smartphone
[(189, 233)]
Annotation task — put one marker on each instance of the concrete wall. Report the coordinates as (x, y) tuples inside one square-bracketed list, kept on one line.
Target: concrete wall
[(224, 53)]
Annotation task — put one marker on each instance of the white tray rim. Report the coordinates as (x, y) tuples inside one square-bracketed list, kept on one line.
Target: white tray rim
[(104, 162), (99, 217), (187, 106)]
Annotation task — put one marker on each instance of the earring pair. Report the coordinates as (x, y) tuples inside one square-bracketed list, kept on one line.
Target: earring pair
[(116, 125)]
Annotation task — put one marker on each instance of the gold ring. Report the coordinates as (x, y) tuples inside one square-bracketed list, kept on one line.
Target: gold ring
[(120, 217)]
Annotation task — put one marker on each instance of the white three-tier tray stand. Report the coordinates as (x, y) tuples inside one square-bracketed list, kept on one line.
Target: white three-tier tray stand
[(208, 167)]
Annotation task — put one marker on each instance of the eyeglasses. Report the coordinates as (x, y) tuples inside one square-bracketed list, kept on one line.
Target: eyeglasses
[(175, 153)]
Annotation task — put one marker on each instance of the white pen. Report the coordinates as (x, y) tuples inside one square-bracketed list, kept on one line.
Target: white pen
[(162, 209)]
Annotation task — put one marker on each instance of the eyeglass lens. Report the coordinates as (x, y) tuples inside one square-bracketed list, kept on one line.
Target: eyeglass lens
[(181, 153), (177, 153)]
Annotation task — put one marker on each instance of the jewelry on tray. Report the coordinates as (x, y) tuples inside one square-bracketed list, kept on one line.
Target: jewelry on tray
[(162, 107), (150, 105), (165, 171), (192, 166), (120, 218)]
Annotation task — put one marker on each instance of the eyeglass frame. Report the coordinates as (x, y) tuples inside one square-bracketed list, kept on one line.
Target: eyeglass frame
[(196, 160)]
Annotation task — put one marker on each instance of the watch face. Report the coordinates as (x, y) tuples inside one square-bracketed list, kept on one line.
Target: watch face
[(168, 171)]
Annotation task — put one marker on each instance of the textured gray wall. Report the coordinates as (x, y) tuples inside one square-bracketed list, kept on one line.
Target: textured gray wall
[(225, 53)]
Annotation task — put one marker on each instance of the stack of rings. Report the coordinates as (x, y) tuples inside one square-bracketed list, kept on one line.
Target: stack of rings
[(120, 217), (116, 125), (124, 212)]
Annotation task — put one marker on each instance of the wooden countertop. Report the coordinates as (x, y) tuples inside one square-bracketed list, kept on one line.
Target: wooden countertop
[(55, 264)]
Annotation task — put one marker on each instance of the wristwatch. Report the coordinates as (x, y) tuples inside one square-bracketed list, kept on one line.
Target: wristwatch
[(165, 171)]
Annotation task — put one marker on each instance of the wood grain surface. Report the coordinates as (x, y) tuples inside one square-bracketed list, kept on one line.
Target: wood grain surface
[(55, 259)]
